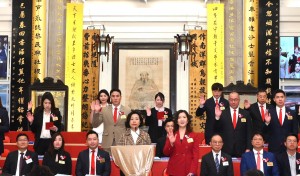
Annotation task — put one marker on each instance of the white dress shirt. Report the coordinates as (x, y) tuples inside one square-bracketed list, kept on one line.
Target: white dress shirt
[(261, 158), (18, 163), (95, 158), (283, 112), (135, 135), (45, 134), (237, 114)]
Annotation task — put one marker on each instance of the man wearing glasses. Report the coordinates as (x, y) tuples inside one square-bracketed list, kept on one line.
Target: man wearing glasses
[(289, 161), (216, 162)]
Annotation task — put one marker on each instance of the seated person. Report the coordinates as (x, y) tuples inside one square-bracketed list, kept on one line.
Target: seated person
[(169, 126), (21, 161), (93, 161)]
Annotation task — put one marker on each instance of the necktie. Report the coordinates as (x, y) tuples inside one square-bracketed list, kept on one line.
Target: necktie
[(21, 162), (115, 114), (93, 163), (217, 103), (262, 111), (258, 161), (234, 118), (280, 116), (217, 163)]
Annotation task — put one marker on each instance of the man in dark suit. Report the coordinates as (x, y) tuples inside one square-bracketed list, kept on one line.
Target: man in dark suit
[(279, 122), (208, 106), (290, 156), (258, 158), (235, 127), (216, 162), (93, 161), (21, 161), (257, 111), (113, 117)]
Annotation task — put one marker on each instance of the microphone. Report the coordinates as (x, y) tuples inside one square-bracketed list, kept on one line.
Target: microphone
[(139, 136)]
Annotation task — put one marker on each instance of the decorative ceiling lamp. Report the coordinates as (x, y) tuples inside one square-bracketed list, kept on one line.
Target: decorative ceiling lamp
[(183, 45), (103, 43)]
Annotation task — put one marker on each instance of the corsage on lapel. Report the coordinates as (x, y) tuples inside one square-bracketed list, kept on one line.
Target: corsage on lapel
[(298, 161), (122, 114), (289, 116), (243, 119), (224, 161), (27, 159), (54, 118), (100, 159), (222, 107), (62, 159), (269, 163), (189, 140)]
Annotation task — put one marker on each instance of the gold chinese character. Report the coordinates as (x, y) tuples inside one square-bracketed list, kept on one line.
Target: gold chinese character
[(267, 72)]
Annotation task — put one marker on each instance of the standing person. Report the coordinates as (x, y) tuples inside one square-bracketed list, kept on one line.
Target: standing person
[(280, 121), (169, 127), (294, 59), (113, 117), (4, 125), (216, 162), (44, 122), (258, 158), (133, 134), (56, 158), (208, 106), (257, 111), (93, 161), (102, 101), (182, 147), (21, 161), (156, 116), (235, 127), (289, 161)]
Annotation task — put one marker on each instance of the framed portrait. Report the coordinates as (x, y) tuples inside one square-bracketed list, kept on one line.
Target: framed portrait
[(292, 97), (3, 56), (4, 95), (141, 70)]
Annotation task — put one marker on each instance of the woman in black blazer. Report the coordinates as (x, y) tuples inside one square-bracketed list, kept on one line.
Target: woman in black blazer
[(44, 122), (156, 116), (56, 158)]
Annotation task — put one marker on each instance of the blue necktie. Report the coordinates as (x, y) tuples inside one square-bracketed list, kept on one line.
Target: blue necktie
[(217, 163)]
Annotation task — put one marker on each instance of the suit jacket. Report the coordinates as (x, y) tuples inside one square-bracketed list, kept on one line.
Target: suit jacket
[(143, 138), (10, 165), (278, 132), (4, 127), (183, 154), (248, 162), (111, 130), (257, 122), (208, 165), (284, 164), (156, 131), (102, 166), (209, 108), (64, 164), (237, 140)]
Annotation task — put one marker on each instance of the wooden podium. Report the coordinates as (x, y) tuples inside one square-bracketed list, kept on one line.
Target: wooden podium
[(134, 160)]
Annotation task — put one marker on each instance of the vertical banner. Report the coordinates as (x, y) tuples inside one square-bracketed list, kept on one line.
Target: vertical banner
[(197, 82), (56, 39), (90, 75), (269, 46), (251, 42), (233, 41), (38, 48), (73, 70), (215, 45), (20, 63)]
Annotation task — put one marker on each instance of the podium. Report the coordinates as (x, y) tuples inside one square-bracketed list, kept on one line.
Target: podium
[(134, 160)]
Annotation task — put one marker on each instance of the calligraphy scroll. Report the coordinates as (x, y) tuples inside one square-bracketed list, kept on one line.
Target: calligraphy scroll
[(73, 67), (20, 63), (215, 45), (251, 42), (56, 42), (198, 82), (233, 41), (90, 75), (269, 46), (38, 48)]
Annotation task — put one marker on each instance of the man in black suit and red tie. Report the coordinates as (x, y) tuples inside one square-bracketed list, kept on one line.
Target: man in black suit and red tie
[(21, 161), (216, 162), (93, 161), (279, 122), (289, 161), (235, 127), (257, 111), (208, 106)]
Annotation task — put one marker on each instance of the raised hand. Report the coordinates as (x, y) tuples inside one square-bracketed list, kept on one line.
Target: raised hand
[(29, 106), (267, 116), (171, 137), (246, 104), (148, 110), (97, 106), (202, 100), (30, 117), (218, 111), (93, 105)]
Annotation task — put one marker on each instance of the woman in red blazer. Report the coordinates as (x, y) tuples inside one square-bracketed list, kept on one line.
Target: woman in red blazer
[(182, 147)]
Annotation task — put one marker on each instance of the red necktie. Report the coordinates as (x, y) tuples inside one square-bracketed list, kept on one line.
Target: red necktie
[(280, 116), (93, 163), (234, 118), (258, 161), (115, 114), (262, 112), (217, 102)]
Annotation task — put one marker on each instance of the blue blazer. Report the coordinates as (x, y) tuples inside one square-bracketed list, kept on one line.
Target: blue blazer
[(248, 162)]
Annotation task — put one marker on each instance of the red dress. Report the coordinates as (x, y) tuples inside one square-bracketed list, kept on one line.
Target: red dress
[(183, 155)]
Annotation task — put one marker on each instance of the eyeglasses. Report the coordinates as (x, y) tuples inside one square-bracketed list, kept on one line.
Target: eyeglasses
[(291, 141)]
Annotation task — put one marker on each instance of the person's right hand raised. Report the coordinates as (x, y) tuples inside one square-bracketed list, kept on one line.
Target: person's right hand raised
[(267, 117), (30, 117), (29, 105), (148, 111), (97, 106), (218, 111), (171, 137), (202, 100), (246, 104)]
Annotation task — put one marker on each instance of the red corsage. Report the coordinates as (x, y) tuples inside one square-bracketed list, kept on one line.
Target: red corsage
[(121, 113), (27, 157), (223, 159), (166, 112), (62, 157), (298, 161), (241, 116), (265, 160)]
